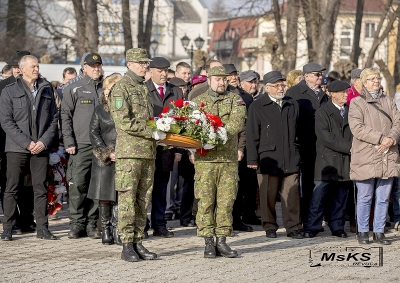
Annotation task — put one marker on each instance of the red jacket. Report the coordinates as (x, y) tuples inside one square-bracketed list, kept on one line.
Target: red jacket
[(351, 93)]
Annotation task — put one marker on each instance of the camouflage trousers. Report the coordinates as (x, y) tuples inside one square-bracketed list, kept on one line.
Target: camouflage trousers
[(133, 181), (215, 187)]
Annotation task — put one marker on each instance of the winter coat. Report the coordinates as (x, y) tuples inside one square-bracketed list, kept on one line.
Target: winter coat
[(24, 122), (368, 126), (102, 136), (271, 136), (333, 144)]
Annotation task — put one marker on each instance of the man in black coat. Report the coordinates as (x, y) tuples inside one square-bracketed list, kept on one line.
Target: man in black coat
[(332, 164), (162, 93), (271, 142), (29, 118), (310, 97)]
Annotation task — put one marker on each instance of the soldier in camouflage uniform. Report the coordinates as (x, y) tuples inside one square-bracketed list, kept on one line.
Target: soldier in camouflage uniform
[(216, 177), (131, 107)]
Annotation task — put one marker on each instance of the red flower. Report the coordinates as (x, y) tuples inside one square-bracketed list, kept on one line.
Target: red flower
[(201, 151), (165, 109), (202, 105), (51, 188), (179, 103), (186, 103), (51, 197), (152, 119), (214, 120), (180, 118), (57, 206), (197, 122)]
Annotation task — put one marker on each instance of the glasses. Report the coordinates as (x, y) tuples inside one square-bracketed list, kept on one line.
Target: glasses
[(377, 79), (142, 64), (317, 74), (277, 85)]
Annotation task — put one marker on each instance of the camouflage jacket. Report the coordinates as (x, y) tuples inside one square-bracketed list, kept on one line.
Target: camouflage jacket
[(130, 108), (231, 108)]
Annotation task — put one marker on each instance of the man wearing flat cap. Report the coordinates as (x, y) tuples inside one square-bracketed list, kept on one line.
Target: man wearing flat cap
[(216, 176), (332, 164), (161, 93), (310, 97), (135, 152), (233, 78), (272, 149), (80, 98)]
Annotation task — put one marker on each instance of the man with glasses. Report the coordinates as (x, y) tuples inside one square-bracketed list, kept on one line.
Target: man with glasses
[(310, 97), (272, 149), (80, 98), (135, 152)]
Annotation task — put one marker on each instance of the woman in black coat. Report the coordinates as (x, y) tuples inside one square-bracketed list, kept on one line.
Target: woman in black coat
[(102, 182)]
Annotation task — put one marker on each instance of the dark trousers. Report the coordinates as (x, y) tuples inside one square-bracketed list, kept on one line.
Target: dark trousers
[(83, 211), (307, 184), (186, 185), (288, 186), (18, 166), (159, 199), (331, 195)]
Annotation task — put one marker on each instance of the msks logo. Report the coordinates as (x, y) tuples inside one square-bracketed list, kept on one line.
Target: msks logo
[(346, 257)]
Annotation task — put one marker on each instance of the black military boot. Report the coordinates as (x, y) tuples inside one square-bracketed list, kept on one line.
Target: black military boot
[(363, 238), (128, 253), (114, 222), (209, 250), (143, 252), (223, 249), (380, 239), (105, 218)]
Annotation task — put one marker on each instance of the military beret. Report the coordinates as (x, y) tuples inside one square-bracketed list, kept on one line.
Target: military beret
[(137, 55), (217, 71), (337, 85), (312, 67), (230, 68), (355, 73), (272, 77), (248, 76), (177, 81), (159, 63), (92, 58), (198, 79)]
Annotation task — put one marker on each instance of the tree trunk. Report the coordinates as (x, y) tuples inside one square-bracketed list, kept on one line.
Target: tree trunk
[(92, 25), (126, 24), (396, 74), (16, 26), (310, 12), (290, 52), (80, 27), (145, 28), (356, 51), (141, 24), (390, 86)]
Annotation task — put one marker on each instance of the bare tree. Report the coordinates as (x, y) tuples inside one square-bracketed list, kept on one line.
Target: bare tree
[(145, 27), (16, 30), (218, 10), (356, 51), (126, 24)]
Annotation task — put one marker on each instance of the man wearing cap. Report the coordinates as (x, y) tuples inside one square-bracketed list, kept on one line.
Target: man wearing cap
[(310, 98), (135, 152), (332, 164), (179, 83), (356, 85), (233, 78), (161, 93), (80, 98), (81, 74), (272, 149), (216, 176)]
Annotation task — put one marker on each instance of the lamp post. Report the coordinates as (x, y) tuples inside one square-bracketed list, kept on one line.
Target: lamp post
[(250, 59), (199, 42), (153, 46)]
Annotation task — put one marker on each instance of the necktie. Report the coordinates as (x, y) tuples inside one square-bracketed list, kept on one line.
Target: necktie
[(279, 102), (342, 112), (161, 90)]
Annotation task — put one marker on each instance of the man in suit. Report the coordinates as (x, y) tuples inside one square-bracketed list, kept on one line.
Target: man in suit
[(162, 93), (310, 97), (332, 164)]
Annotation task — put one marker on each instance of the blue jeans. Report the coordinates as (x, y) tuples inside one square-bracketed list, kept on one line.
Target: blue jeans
[(365, 193), (396, 199)]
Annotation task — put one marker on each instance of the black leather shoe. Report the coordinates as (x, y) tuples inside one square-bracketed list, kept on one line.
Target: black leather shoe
[(309, 234), (128, 253), (252, 220), (209, 250), (16, 230), (93, 233), (270, 233), (45, 234), (29, 229), (223, 249), (163, 232), (243, 227), (295, 234), (381, 239), (363, 238), (143, 253), (75, 233), (339, 233), (6, 235), (168, 216)]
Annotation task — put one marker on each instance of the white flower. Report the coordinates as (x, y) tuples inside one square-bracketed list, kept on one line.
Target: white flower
[(192, 104), (211, 134), (164, 124), (222, 135), (208, 146)]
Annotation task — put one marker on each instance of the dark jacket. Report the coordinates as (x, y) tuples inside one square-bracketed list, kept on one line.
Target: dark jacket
[(3, 84), (203, 87), (24, 122), (308, 104), (248, 99), (164, 158), (102, 136), (333, 144), (271, 140), (79, 101)]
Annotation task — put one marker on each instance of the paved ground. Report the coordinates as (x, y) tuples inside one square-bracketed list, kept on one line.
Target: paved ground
[(27, 259)]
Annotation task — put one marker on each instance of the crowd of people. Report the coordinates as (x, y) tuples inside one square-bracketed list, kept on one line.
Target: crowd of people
[(326, 149)]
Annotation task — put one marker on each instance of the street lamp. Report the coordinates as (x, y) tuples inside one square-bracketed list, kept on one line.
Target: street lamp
[(153, 46), (185, 40), (250, 59)]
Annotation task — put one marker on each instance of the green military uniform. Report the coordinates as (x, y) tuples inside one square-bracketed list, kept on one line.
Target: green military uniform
[(216, 177), (131, 107)]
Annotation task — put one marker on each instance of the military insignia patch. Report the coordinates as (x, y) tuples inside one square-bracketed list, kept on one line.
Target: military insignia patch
[(119, 102), (95, 57), (239, 101)]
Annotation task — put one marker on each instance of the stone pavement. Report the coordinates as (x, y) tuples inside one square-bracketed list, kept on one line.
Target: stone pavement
[(27, 259)]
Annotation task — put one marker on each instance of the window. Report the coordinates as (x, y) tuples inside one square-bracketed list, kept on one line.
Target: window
[(346, 39), (111, 33), (369, 30), (158, 33)]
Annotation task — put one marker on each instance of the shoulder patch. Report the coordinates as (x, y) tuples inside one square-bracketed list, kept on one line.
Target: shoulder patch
[(119, 102), (239, 101)]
